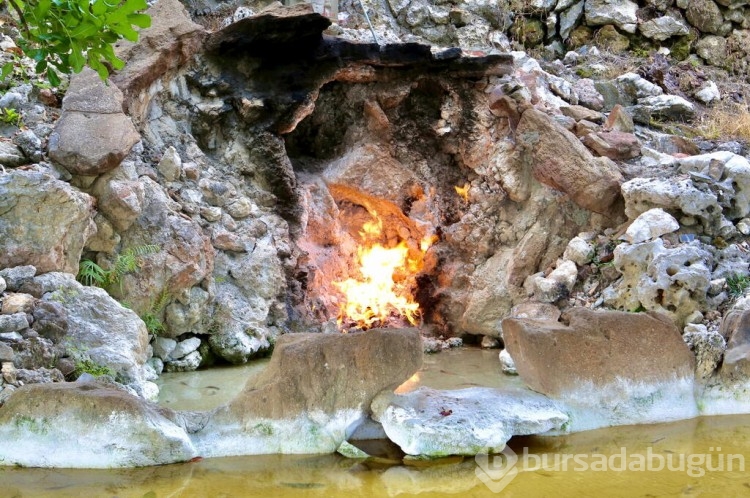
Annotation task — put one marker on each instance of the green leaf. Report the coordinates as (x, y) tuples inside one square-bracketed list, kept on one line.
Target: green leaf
[(99, 7), (42, 8), (6, 70), (53, 77), (140, 20)]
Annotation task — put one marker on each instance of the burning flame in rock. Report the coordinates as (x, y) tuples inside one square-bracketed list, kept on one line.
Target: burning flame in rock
[(388, 277), (463, 191)]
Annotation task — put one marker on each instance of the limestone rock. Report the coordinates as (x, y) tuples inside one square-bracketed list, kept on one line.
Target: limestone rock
[(729, 176), (315, 390), (15, 277), (588, 95), (635, 86), (170, 165), (507, 365), (708, 348), (43, 222), (558, 159), (93, 110), (736, 329), (557, 285), (435, 423), (76, 425), (620, 13), (619, 120), (671, 107), (664, 27), (569, 19), (99, 326), (650, 225), (13, 323), (184, 348), (11, 156), (712, 49), (708, 93), (579, 251)]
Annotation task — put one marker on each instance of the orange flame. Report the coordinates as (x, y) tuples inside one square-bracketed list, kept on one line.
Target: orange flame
[(463, 191), (387, 279)]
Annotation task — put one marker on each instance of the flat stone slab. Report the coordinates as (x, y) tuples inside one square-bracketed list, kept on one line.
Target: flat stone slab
[(434, 423)]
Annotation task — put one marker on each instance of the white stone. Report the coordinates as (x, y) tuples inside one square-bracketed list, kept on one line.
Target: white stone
[(507, 364), (618, 12), (650, 225), (463, 422), (579, 251), (708, 93), (170, 165), (639, 86), (163, 347), (664, 27), (183, 348)]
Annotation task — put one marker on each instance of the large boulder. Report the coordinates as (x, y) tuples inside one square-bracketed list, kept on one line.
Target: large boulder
[(559, 159), (92, 109), (469, 421), (43, 222), (313, 394), (88, 425), (99, 327), (598, 359)]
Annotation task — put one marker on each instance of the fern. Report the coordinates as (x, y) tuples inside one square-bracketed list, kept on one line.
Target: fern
[(89, 273), (154, 325)]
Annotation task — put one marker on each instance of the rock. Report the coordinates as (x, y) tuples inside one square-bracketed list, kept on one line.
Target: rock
[(92, 109), (350, 451), (569, 19), (664, 27), (619, 120), (616, 145), (111, 335), (11, 156), (558, 159), (30, 145), (17, 276), (622, 14), (557, 285), (635, 86), (489, 342), (507, 365), (712, 49), (672, 280), (184, 348), (609, 39), (6, 353), (17, 303), (578, 113), (728, 174), (588, 95), (75, 425), (187, 363), (490, 298), (735, 327), (50, 320), (671, 107), (680, 196), (708, 348), (704, 15), (3, 285), (162, 49), (13, 323), (579, 251), (435, 423), (170, 165), (314, 392), (44, 222), (598, 359), (650, 225), (536, 311), (163, 347)]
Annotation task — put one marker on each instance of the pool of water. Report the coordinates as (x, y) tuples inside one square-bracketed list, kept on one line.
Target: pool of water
[(699, 457)]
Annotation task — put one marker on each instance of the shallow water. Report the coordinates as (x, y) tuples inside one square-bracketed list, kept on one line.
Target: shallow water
[(692, 448)]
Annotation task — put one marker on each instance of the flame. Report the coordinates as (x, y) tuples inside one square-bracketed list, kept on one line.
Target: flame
[(463, 191), (388, 275)]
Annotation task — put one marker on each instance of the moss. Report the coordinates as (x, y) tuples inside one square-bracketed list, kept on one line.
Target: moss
[(31, 424), (680, 49)]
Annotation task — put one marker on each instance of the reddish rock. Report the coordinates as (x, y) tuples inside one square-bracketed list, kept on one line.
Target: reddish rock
[(735, 327), (558, 159), (596, 348), (619, 120), (615, 145)]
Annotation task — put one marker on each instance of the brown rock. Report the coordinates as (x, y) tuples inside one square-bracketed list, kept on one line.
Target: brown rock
[(17, 303), (165, 47), (616, 145), (619, 120), (578, 112), (328, 373), (227, 241), (735, 327), (584, 127), (558, 159), (596, 347)]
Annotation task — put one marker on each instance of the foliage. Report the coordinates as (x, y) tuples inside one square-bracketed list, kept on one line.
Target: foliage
[(66, 35), (84, 364), (151, 318), (737, 284), (10, 116), (90, 273)]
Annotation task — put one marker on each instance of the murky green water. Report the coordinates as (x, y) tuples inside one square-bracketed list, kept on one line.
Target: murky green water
[(695, 450)]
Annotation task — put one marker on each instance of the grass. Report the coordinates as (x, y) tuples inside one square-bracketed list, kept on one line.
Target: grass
[(737, 284), (726, 120)]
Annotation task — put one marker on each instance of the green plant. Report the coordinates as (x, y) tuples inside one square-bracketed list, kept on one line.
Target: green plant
[(11, 116), (84, 363), (154, 325), (90, 273), (737, 284), (66, 35)]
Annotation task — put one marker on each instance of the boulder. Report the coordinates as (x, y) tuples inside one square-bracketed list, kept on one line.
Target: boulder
[(92, 109), (704, 15), (316, 389), (599, 359), (664, 27), (650, 225), (88, 425), (98, 326), (43, 222), (433, 423), (727, 175), (11, 156), (558, 159), (616, 145), (708, 348), (620, 13)]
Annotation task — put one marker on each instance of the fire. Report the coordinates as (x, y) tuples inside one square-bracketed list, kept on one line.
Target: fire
[(463, 191), (387, 280)]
